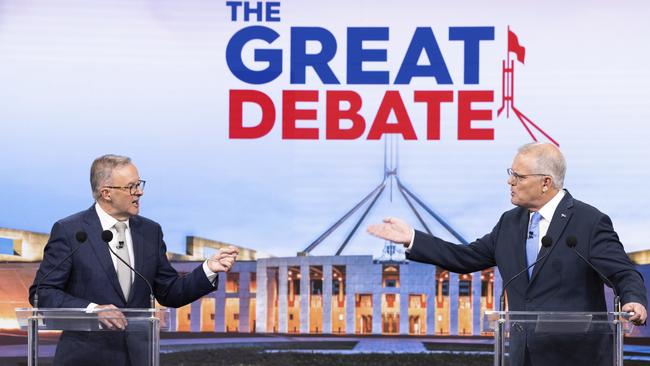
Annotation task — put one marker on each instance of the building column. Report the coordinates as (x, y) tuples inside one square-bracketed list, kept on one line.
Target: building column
[(350, 312), (305, 291), (195, 316), (404, 313), (327, 298), (244, 302), (172, 320), (476, 303), (376, 313), (220, 305), (431, 308), (453, 303), (282, 298), (261, 296)]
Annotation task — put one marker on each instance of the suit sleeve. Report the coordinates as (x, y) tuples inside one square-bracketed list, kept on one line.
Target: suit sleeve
[(174, 290), (473, 257), (608, 255), (52, 292)]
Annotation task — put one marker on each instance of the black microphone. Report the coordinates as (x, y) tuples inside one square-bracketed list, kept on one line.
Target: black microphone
[(547, 241), (107, 236), (81, 237), (571, 242)]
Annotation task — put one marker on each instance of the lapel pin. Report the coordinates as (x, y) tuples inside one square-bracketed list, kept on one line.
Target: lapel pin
[(563, 215)]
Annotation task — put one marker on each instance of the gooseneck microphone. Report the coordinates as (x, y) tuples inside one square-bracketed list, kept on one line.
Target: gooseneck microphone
[(572, 242), (547, 241), (107, 236), (81, 237)]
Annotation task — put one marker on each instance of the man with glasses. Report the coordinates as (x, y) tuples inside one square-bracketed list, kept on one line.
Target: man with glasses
[(559, 282), (95, 279)]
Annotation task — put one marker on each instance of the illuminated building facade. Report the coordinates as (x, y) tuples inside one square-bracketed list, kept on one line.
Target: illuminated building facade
[(304, 294)]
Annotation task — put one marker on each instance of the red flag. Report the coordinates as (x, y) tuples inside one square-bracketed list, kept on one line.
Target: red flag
[(514, 46)]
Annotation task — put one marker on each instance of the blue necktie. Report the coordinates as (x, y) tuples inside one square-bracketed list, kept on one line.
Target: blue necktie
[(532, 243)]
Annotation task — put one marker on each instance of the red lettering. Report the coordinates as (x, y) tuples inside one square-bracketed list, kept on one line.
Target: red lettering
[(466, 115), (335, 114), (433, 99), (392, 101), (291, 114), (236, 120)]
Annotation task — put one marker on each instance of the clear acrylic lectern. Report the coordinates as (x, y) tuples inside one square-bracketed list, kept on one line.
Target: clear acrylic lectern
[(508, 324), (148, 322)]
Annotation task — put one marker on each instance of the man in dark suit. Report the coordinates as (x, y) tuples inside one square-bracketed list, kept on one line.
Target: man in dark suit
[(561, 281), (94, 279)]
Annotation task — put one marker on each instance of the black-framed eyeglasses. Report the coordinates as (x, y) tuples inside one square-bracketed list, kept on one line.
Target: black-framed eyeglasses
[(133, 188), (520, 177)]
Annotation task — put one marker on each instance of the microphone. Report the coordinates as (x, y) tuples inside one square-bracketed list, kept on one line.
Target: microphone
[(571, 242), (81, 237), (547, 241), (107, 236)]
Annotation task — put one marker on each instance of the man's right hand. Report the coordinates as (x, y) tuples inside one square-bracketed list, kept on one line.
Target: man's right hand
[(393, 229), (111, 317)]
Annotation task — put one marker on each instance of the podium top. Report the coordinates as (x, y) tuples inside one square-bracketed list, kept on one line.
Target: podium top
[(559, 321), (82, 320)]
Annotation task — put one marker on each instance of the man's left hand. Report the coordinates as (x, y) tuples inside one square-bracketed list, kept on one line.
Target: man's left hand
[(639, 311), (223, 260)]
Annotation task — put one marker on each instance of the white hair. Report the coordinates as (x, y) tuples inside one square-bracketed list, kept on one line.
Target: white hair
[(101, 171), (548, 160)]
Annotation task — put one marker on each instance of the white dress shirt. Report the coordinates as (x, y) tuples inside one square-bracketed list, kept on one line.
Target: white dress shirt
[(547, 211), (108, 222)]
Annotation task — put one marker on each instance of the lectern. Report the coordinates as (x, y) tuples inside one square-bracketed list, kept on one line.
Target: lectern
[(145, 323), (509, 326)]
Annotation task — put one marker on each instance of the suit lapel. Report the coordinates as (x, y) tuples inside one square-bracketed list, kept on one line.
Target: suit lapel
[(94, 227), (520, 248), (137, 238), (560, 219)]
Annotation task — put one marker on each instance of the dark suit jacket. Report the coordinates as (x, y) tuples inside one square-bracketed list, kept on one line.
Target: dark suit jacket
[(90, 276), (560, 282)]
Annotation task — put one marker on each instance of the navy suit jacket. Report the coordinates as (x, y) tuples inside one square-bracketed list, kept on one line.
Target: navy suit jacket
[(560, 282), (90, 276)]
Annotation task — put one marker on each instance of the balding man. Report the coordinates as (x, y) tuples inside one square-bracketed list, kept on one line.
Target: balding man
[(94, 278), (561, 281)]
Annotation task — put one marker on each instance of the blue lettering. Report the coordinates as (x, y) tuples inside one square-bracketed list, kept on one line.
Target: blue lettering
[(423, 39), (318, 61), (471, 36), (272, 8), (272, 56), (357, 55)]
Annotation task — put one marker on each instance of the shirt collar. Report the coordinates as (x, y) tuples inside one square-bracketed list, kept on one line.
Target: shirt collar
[(107, 221), (548, 210)]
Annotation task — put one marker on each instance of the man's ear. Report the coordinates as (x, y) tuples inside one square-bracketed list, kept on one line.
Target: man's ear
[(105, 194)]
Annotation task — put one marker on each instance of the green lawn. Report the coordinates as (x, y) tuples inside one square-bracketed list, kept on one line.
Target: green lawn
[(257, 357)]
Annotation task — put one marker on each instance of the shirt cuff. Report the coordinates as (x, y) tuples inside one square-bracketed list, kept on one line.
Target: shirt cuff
[(91, 307), (212, 276), (408, 248)]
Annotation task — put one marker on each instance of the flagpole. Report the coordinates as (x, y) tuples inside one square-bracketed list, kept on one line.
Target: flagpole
[(508, 48)]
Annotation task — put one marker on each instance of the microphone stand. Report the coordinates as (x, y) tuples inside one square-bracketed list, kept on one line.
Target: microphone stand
[(499, 332), (154, 327)]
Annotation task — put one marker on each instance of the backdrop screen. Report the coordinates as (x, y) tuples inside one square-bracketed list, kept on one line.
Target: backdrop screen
[(262, 123)]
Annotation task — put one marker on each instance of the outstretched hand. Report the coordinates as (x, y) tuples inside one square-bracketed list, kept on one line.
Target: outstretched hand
[(223, 260), (393, 229)]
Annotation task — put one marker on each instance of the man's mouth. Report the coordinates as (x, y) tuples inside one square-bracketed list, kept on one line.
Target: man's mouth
[(136, 203)]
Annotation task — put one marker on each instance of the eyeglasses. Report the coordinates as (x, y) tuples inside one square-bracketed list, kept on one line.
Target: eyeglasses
[(519, 177), (133, 188)]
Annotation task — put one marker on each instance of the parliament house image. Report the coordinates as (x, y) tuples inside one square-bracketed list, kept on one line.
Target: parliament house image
[(343, 295)]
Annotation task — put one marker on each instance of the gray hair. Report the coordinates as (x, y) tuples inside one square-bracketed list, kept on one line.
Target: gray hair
[(101, 171), (548, 160)]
